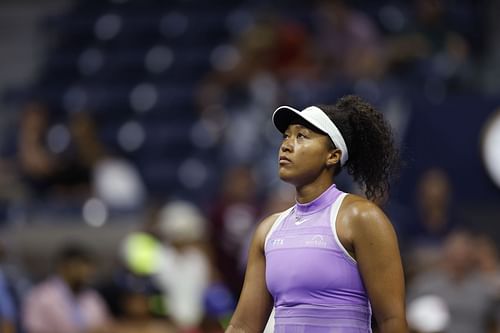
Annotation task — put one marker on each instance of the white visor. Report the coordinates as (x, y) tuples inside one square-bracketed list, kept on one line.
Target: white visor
[(316, 117)]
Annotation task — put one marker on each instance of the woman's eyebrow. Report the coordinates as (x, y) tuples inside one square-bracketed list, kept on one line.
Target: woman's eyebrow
[(299, 126)]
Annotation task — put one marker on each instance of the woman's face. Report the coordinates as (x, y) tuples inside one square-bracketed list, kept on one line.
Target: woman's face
[(304, 154)]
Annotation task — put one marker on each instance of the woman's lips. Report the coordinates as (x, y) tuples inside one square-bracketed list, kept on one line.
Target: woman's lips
[(284, 160)]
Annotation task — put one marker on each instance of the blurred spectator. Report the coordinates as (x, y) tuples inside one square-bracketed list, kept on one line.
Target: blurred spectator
[(433, 221), (349, 42), (184, 272), (233, 216), (219, 307), (429, 49), (486, 256), (50, 160), (64, 303), (12, 189), (272, 48), (242, 89), (268, 55), (173, 250), (272, 58), (434, 199), (7, 307), (12, 287), (296, 57), (68, 160), (251, 56), (135, 297), (470, 298), (114, 180)]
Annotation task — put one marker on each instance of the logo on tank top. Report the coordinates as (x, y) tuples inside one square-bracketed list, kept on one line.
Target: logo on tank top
[(316, 241), (278, 242), (299, 220)]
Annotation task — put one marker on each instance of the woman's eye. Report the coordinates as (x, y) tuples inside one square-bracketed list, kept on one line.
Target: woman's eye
[(301, 135)]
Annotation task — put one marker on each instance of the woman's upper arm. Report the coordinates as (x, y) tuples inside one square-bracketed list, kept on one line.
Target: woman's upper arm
[(377, 253), (255, 302)]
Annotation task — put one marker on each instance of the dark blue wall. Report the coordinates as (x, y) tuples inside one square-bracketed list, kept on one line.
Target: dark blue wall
[(449, 135)]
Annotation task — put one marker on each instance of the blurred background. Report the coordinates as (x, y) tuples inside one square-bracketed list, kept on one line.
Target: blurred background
[(137, 153)]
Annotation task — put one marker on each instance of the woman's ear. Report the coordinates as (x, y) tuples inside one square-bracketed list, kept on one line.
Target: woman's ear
[(333, 157)]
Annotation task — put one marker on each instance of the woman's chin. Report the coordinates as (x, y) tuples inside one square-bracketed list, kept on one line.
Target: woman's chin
[(285, 176)]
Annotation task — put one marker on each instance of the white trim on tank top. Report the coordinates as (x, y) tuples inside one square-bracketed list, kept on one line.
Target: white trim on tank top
[(276, 223), (270, 322), (334, 210)]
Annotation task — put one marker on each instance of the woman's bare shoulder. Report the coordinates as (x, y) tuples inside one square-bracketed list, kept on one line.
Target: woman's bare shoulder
[(355, 206), (364, 218)]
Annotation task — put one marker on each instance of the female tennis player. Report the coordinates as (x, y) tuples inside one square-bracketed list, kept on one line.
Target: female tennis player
[(330, 260)]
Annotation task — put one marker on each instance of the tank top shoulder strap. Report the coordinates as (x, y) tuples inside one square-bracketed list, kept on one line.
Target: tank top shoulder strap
[(277, 222), (334, 211)]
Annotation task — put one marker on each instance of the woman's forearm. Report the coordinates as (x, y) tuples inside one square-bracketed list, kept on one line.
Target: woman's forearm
[(235, 328), (393, 325)]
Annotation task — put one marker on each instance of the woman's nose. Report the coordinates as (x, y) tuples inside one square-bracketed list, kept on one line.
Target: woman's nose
[(286, 146)]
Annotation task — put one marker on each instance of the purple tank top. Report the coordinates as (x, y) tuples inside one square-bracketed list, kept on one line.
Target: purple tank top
[(315, 283)]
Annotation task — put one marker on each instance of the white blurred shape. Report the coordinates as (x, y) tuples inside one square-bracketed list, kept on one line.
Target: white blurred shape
[(118, 184), (184, 277), (428, 314), (131, 136), (491, 147), (143, 97), (182, 221), (95, 212), (183, 274)]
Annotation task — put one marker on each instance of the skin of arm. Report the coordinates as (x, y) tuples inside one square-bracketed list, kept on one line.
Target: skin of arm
[(255, 303), (373, 241)]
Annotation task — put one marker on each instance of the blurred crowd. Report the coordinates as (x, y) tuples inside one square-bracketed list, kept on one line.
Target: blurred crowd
[(67, 140), (389, 57), (181, 268)]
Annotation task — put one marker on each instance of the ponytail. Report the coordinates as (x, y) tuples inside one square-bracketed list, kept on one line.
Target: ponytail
[(373, 157)]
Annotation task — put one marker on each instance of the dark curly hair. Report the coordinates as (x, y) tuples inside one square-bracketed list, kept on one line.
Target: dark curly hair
[(373, 156)]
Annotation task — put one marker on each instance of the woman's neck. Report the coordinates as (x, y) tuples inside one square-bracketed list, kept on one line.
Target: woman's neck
[(309, 192)]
